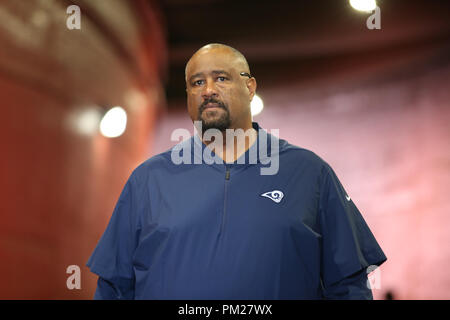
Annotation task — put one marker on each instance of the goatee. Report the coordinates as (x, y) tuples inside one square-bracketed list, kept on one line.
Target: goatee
[(221, 123)]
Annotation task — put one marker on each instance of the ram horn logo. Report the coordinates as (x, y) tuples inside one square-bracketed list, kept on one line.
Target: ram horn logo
[(275, 195)]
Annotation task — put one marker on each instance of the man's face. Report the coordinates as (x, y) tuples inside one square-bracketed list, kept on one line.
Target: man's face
[(216, 94)]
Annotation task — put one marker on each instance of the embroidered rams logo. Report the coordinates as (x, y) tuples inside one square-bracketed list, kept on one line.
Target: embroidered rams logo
[(275, 195)]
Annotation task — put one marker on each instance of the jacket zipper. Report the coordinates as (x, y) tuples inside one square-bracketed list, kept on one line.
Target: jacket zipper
[(227, 178)]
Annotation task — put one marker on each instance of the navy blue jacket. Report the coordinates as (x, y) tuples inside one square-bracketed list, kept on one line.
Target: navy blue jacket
[(218, 231)]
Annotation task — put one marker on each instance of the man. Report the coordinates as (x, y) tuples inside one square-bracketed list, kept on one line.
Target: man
[(223, 229)]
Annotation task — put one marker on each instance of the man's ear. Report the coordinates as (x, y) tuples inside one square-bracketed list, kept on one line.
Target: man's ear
[(251, 86)]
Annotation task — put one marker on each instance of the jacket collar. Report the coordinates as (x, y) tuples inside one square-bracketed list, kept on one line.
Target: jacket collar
[(259, 152)]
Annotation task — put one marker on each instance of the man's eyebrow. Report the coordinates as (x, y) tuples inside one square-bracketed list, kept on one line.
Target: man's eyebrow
[(221, 72), (198, 74), (215, 72)]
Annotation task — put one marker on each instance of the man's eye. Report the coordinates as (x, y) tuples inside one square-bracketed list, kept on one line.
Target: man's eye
[(221, 79), (198, 82)]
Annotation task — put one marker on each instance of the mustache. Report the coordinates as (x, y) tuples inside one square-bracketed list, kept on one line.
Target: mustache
[(212, 100)]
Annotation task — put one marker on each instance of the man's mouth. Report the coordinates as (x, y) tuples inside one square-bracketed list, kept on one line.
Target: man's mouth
[(212, 105)]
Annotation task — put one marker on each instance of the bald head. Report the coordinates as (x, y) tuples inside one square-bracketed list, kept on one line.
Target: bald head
[(237, 58)]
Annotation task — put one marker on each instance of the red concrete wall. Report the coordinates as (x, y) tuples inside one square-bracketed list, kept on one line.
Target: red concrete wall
[(58, 187)]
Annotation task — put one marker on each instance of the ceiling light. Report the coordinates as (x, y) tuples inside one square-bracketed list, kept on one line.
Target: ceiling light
[(363, 5), (114, 123), (256, 105)]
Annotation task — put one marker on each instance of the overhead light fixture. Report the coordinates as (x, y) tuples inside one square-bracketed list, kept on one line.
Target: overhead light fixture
[(88, 121), (114, 122), (363, 5), (84, 120), (256, 105)]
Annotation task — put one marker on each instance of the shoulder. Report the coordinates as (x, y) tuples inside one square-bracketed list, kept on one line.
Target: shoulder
[(157, 163), (301, 155)]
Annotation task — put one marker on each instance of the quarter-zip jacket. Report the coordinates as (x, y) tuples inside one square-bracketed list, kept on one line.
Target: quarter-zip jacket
[(225, 231)]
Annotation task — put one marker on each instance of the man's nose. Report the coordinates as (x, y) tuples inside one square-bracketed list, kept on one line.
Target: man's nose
[(209, 89)]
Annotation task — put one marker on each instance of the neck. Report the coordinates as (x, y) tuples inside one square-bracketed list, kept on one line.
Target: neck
[(231, 145)]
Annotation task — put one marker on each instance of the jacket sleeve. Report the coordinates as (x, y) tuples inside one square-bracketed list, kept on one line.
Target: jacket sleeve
[(117, 289), (112, 257), (348, 245), (354, 287)]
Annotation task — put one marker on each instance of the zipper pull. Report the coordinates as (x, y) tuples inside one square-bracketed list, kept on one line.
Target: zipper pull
[(227, 174)]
